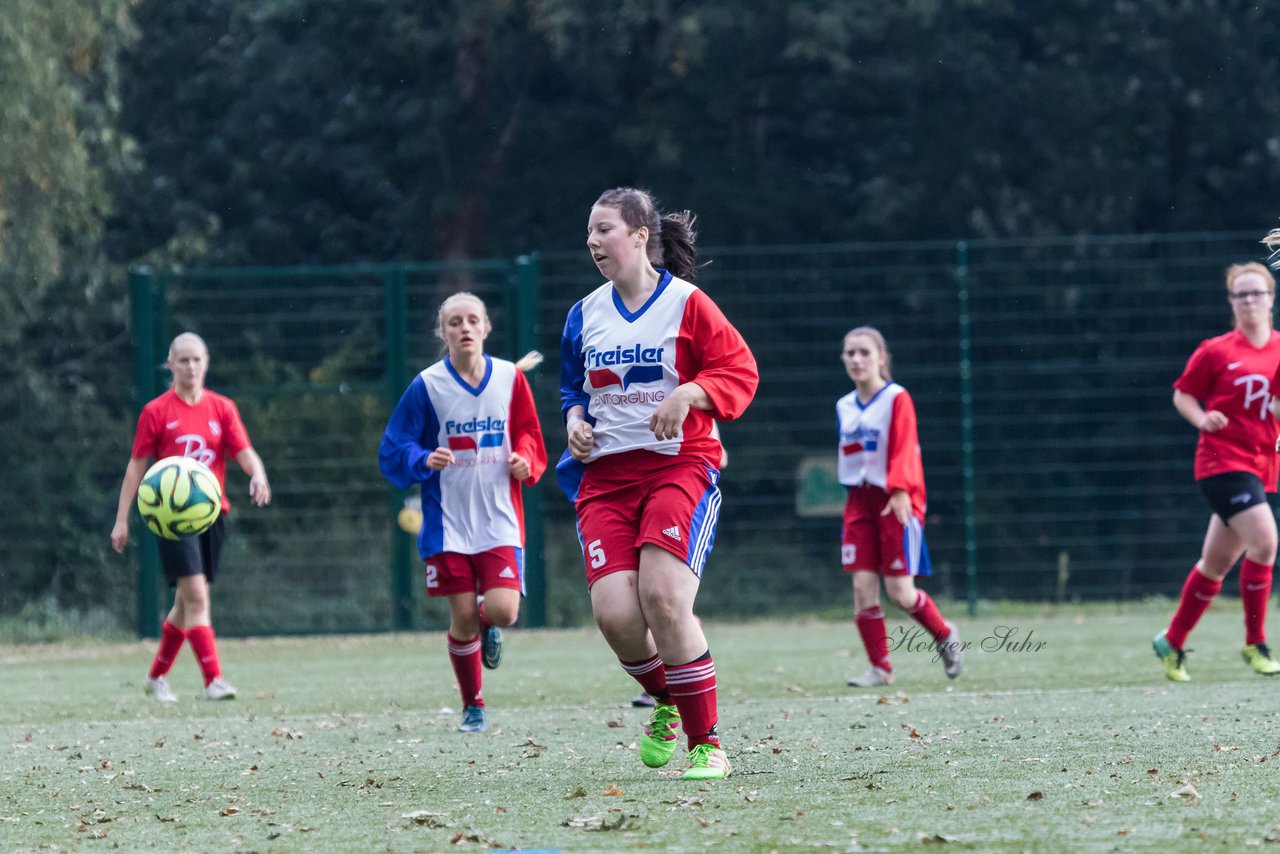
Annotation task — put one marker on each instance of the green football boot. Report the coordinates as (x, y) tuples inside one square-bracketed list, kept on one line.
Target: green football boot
[(1258, 656), (707, 762), (659, 740), (1174, 660)]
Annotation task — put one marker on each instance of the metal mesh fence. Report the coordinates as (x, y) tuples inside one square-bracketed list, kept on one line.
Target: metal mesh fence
[(1077, 482)]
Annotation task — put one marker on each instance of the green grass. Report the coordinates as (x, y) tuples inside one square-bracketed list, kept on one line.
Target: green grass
[(348, 744)]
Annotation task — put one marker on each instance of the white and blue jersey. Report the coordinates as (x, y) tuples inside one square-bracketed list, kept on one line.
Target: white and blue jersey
[(474, 504), (620, 365)]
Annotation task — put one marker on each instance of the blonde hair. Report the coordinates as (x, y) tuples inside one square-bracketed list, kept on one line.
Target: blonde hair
[(874, 334), (1235, 271), (459, 297), (187, 338), (1272, 240)]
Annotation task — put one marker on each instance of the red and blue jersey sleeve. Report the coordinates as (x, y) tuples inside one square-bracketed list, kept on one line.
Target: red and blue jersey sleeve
[(410, 437), (573, 369), (905, 468), (713, 354), (525, 431)]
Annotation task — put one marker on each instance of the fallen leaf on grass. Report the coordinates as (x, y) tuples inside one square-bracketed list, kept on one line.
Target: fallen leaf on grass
[(164, 819), (611, 791), (229, 811), (576, 793), (1225, 747), (1035, 796), (597, 822), (932, 838), (422, 818), (615, 723), (1187, 792), (286, 733)]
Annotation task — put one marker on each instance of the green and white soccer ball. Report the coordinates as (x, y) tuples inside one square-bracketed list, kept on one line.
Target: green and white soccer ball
[(179, 497)]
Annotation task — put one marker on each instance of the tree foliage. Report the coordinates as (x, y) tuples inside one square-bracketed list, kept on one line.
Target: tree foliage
[(304, 130)]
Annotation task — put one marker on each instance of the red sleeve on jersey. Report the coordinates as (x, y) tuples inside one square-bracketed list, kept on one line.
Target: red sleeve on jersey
[(144, 438), (712, 353), (1197, 377), (235, 438), (905, 469), (526, 432)]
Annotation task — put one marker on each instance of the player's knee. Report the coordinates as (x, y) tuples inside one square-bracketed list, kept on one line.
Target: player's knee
[(502, 615)]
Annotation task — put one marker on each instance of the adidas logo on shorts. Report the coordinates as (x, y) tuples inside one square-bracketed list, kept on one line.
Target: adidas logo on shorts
[(673, 532), (897, 564), (507, 572)]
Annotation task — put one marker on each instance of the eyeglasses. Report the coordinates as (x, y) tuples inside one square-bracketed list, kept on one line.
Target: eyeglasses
[(1244, 295)]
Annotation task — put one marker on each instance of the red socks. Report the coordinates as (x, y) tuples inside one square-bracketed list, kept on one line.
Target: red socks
[(1255, 592), (465, 658), (652, 676), (206, 650), (927, 614), (171, 639), (693, 690), (1197, 592), (870, 623)]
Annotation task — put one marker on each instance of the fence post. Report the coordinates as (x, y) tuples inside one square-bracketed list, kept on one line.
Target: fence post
[(142, 294), (525, 316), (966, 429), (397, 356)]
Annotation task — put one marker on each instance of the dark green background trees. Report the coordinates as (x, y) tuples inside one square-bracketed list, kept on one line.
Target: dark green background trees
[(230, 132)]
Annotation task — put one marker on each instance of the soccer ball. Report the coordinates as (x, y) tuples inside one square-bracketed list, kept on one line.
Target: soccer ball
[(179, 497)]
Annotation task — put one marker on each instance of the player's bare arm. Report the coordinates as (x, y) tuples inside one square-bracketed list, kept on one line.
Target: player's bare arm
[(1189, 408), (259, 487)]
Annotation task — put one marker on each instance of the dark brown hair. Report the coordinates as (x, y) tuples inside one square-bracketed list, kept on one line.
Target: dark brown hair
[(672, 236)]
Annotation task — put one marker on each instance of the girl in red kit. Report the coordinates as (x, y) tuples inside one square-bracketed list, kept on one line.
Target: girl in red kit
[(1225, 393), (189, 420), (647, 362), (883, 531)]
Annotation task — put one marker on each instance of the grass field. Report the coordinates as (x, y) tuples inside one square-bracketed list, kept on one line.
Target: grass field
[(348, 744)]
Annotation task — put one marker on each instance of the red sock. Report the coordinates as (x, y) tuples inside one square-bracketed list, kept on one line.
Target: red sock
[(693, 689), (205, 647), (870, 623), (1197, 592), (171, 638), (465, 658), (926, 614), (652, 676), (1255, 592)]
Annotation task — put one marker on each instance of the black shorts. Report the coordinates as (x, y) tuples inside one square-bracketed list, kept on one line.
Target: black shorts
[(192, 555), (1230, 492)]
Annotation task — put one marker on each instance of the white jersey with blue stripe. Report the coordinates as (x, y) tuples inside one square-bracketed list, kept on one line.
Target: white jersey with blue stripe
[(628, 364), (468, 507)]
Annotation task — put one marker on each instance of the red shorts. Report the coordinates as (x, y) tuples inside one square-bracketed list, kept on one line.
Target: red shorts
[(451, 572), (630, 499), (869, 541)]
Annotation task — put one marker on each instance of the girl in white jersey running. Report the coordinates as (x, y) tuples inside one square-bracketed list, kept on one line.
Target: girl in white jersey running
[(467, 431), (883, 532), (648, 364)]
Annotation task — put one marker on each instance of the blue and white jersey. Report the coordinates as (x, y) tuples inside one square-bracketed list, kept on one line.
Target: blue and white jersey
[(474, 505)]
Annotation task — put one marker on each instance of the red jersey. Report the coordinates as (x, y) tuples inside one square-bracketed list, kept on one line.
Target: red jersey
[(210, 431), (1234, 377)]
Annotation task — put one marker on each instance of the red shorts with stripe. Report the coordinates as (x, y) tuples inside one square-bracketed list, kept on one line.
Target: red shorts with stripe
[(876, 543), (451, 572), (628, 500)]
